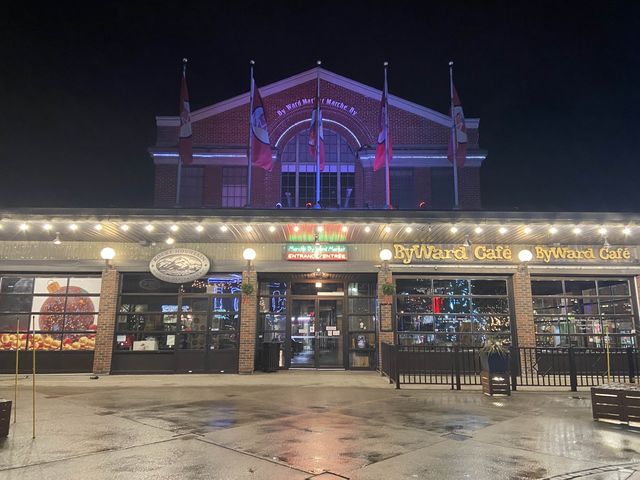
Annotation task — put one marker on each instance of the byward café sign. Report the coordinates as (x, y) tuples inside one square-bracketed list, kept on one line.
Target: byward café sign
[(428, 253)]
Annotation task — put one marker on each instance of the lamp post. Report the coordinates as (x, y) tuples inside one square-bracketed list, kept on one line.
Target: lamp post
[(107, 255)]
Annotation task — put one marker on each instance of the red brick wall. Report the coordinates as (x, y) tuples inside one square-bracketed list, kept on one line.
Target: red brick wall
[(165, 185), (523, 304), (212, 188), (248, 324), (272, 186), (469, 188), (386, 334), (106, 321)]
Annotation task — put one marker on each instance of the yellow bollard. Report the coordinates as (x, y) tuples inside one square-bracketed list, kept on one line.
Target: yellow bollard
[(15, 394), (33, 349)]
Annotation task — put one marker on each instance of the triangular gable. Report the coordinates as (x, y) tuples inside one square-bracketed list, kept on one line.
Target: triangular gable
[(327, 76)]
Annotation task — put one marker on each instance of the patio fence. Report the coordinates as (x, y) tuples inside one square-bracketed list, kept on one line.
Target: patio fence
[(529, 366)]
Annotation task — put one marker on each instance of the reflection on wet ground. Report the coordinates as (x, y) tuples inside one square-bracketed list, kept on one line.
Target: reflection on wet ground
[(297, 425)]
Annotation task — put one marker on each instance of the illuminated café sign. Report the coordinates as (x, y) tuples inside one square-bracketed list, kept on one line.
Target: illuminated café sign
[(423, 253), (316, 253), (328, 102)]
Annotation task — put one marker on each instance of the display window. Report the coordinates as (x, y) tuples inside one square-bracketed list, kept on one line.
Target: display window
[(158, 316), (452, 311), (63, 312), (583, 312)]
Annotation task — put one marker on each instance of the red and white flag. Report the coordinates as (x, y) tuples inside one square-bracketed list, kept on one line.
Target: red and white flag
[(384, 139), (316, 130), (185, 136), (260, 146), (460, 132)]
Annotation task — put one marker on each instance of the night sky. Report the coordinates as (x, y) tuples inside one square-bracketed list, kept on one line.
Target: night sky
[(555, 85)]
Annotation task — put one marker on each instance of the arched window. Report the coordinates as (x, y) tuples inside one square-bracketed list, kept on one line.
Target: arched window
[(337, 181)]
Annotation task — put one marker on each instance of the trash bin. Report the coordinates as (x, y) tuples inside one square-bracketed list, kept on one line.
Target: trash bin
[(5, 417), (270, 356)]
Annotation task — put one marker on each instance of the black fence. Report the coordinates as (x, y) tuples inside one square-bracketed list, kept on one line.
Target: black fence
[(529, 366)]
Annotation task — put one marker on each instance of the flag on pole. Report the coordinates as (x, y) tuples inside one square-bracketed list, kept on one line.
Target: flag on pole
[(460, 132), (384, 138), (316, 130), (260, 146), (185, 135)]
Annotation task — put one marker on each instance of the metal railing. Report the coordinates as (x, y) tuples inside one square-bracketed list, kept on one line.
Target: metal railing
[(529, 366)]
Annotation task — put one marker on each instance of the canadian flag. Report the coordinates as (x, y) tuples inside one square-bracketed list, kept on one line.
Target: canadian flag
[(384, 139), (316, 130), (460, 132), (260, 146), (185, 136)]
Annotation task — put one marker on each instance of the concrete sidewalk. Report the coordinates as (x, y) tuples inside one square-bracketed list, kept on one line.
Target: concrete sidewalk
[(303, 424)]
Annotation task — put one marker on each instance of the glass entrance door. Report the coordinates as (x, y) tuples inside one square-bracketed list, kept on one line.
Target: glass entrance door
[(207, 333), (316, 333), (303, 328), (329, 334)]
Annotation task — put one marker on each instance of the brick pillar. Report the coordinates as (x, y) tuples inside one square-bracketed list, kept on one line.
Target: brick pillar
[(386, 313), (523, 304), (248, 322), (106, 321)]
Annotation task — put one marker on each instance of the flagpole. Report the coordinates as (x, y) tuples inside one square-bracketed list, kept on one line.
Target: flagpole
[(317, 205), (454, 141), (179, 178), (249, 156), (386, 139)]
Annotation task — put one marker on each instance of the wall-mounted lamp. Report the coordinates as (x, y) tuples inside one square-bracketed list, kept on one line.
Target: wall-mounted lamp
[(525, 256), (107, 254), (385, 255), (249, 254)]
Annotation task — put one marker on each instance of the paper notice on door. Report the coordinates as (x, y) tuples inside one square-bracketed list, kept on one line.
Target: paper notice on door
[(312, 329), (171, 340), (330, 328), (336, 333), (121, 338)]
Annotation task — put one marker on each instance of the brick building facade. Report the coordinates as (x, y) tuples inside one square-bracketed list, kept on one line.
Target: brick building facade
[(351, 112), (328, 286)]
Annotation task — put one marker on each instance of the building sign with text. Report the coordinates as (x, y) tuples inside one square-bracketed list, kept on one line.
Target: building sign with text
[(316, 253), (311, 101), (428, 253)]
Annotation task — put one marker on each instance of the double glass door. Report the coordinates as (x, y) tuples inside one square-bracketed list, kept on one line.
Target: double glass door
[(207, 332), (316, 333)]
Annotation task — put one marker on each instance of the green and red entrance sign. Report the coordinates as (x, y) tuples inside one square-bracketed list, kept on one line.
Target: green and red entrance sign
[(316, 253)]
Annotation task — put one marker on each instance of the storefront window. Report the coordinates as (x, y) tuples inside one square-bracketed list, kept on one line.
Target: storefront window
[(581, 312), (62, 310), (452, 311), (272, 307), (156, 315), (362, 324)]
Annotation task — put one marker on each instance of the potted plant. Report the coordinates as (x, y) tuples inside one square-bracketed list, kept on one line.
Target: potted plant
[(388, 289), (247, 289), (494, 357)]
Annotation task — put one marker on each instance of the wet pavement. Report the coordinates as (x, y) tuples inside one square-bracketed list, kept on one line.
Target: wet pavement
[(299, 425)]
